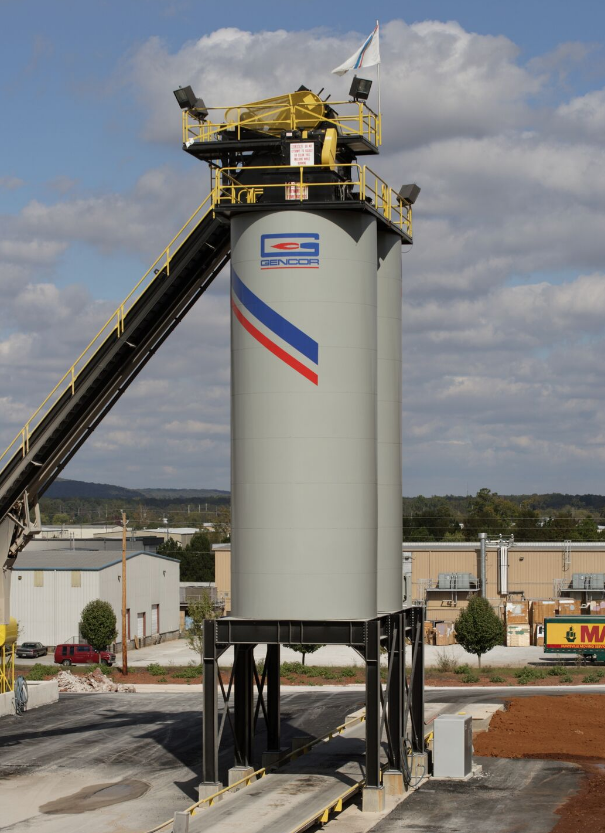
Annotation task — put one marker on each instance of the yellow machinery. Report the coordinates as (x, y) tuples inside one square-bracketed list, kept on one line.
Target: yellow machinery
[(8, 639)]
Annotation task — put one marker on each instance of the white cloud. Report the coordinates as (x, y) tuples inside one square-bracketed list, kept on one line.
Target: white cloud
[(504, 289)]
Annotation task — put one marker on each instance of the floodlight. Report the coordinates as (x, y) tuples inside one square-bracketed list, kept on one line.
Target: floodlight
[(360, 89), (409, 193), (187, 100), (185, 97)]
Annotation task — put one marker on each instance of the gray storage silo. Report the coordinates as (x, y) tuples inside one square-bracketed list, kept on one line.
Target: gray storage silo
[(304, 509), (388, 405)]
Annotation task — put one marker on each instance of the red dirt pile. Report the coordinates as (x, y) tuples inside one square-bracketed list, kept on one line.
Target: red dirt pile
[(568, 728)]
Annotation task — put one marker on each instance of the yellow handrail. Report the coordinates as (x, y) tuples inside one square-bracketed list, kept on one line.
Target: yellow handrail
[(114, 323), (361, 121), (384, 198)]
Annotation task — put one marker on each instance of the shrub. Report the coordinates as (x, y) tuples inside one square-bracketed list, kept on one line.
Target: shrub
[(471, 677), (348, 672), (496, 679), (303, 649), (163, 680), (445, 662), (189, 673), (591, 678), (291, 668), (556, 671), (566, 678), (462, 669), (528, 675), (156, 670), (39, 672)]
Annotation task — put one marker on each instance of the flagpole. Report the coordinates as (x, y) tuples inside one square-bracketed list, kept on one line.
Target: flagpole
[(379, 105)]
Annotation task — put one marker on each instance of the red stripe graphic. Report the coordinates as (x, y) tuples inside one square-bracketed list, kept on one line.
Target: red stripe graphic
[(273, 347)]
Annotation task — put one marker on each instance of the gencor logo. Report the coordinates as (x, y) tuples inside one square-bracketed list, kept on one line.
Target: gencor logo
[(289, 251)]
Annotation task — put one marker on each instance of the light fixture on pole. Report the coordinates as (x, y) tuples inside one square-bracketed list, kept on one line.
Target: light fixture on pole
[(187, 100), (360, 88), (409, 193)]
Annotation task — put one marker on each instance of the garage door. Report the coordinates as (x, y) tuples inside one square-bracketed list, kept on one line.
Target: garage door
[(155, 619), (140, 625)]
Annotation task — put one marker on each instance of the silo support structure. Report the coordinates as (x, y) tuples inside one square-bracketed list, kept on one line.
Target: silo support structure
[(394, 711)]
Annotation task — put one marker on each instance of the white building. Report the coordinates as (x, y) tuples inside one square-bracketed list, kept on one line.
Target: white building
[(50, 588)]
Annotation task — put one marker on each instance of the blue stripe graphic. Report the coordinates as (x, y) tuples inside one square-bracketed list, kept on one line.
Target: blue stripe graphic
[(275, 322), (362, 50)]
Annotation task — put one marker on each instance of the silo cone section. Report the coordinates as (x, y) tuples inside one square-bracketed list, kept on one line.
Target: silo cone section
[(390, 534), (304, 516)]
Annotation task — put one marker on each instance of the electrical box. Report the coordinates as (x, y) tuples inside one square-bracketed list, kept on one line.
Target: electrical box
[(452, 746)]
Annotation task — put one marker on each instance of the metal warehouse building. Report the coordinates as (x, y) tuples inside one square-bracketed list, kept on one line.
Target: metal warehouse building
[(50, 589), (444, 575)]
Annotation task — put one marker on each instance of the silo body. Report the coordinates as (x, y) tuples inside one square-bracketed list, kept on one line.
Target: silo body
[(304, 508), (388, 397)]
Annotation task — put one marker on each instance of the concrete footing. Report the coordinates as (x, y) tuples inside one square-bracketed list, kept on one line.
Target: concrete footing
[(236, 773), (392, 781), (272, 757), (208, 788), (373, 800), (300, 743), (181, 822)]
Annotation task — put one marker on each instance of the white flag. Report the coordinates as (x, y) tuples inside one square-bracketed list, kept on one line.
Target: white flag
[(368, 55)]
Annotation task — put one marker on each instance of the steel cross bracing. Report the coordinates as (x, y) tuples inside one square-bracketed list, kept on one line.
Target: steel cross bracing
[(395, 710)]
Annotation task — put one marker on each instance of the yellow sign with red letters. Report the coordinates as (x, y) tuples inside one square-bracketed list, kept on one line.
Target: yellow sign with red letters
[(575, 635)]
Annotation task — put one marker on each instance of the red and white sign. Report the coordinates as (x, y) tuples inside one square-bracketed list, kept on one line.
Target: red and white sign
[(302, 153)]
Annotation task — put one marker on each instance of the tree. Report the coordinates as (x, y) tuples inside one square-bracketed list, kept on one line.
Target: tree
[(98, 626), (304, 649), (197, 558), (198, 611), (490, 513), (222, 525), (478, 628)]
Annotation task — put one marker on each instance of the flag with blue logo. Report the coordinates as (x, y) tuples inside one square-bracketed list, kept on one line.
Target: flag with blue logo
[(368, 55)]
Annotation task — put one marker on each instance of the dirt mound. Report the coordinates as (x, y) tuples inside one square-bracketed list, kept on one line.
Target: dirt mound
[(568, 728), (95, 681)]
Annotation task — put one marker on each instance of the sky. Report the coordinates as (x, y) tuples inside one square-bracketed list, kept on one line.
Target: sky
[(497, 110)]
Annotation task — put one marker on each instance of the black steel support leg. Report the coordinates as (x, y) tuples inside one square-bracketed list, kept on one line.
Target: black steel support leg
[(273, 698), (243, 681), (209, 699), (395, 694), (417, 681), (373, 704)]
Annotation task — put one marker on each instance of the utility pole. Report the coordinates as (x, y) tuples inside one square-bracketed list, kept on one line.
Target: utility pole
[(124, 632)]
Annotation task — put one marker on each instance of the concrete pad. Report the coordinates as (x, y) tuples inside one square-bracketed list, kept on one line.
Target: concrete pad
[(510, 795), (7, 703), (292, 794)]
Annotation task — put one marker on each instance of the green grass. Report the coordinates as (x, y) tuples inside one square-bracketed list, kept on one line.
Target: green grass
[(556, 671), (566, 678)]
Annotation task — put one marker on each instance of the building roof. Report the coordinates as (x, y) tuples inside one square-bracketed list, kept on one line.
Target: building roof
[(76, 559)]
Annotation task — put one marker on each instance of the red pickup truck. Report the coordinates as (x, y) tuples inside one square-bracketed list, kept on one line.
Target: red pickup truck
[(70, 653)]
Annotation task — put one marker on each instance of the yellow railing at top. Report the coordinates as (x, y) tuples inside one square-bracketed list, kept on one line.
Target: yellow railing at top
[(369, 186), (115, 323), (356, 120)]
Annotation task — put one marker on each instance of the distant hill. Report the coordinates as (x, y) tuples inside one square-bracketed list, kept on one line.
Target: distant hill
[(66, 489)]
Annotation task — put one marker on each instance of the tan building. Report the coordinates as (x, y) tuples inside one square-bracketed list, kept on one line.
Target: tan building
[(222, 574), (445, 575)]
